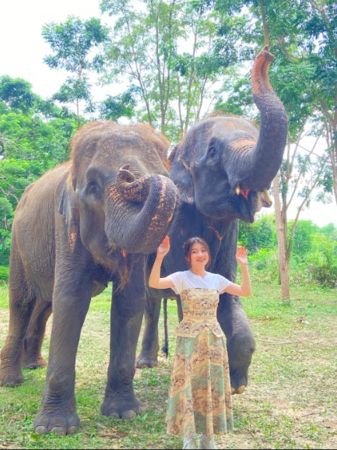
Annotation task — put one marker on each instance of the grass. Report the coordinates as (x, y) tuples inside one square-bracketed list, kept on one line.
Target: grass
[(290, 401)]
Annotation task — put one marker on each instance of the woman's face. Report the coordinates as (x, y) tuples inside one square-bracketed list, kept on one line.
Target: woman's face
[(198, 256)]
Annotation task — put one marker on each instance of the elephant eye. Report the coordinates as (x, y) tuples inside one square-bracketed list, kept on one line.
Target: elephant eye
[(212, 151), (93, 188)]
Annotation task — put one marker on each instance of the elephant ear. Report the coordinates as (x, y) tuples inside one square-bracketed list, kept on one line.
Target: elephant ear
[(180, 174), (69, 210)]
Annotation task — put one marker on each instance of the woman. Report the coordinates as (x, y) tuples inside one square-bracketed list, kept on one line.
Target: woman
[(200, 393)]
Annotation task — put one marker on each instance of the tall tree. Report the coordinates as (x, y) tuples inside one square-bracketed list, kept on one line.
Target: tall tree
[(73, 43), (302, 53), (168, 49)]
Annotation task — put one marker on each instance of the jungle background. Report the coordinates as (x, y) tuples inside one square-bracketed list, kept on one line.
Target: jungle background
[(169, 63)]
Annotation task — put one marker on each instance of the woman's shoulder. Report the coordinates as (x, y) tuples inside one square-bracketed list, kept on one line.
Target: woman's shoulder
[(215, 275), (179, 274)]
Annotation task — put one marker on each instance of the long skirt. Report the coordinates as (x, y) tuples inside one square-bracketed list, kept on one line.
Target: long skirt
[(200, 393)]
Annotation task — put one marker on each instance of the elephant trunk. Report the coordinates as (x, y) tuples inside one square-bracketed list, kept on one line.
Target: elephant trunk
[(262, 161), (139, 211)]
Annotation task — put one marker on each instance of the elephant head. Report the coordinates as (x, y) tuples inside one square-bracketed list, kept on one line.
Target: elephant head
[(224, 164), (117, 194)]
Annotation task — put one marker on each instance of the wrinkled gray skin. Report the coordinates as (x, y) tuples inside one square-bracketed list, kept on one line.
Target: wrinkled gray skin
[(222, 169), (71, 232)]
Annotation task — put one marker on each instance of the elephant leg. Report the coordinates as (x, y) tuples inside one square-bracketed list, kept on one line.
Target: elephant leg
[(32, 343), (71, 301), (150, 343), (126, 317), (21, 304), (240, 341)]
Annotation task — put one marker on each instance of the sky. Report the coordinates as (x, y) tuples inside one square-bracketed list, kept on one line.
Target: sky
[(23, 50)]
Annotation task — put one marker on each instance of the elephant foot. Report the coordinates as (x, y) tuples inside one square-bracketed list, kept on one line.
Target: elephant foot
[(239, 381), (145, 361), (10, 378), (33, 362), (121, 405), (60, 421), (239, 390)]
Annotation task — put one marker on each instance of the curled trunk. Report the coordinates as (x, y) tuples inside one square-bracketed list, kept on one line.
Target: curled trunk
[(139, 211)]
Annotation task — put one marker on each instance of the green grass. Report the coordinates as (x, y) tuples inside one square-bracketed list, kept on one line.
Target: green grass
[(290, 401)]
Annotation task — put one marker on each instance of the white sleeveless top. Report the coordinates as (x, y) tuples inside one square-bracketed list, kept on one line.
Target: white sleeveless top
[(189, 280)]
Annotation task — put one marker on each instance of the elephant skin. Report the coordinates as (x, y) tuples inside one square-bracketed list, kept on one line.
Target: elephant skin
[(222, 168), (84, 223)]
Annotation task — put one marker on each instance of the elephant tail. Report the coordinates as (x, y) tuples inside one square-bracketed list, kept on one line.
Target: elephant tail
[(165, 348)]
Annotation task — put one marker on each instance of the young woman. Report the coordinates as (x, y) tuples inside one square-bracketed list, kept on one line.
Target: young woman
[(200, 393)]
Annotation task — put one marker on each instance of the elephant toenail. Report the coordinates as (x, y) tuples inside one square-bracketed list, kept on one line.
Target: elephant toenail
[(58, 430), (128, 414)]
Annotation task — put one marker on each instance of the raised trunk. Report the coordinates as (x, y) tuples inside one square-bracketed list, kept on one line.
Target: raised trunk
[(138, 215), (262, 162)]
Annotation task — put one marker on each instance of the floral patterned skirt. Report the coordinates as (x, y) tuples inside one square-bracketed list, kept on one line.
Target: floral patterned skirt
[(200, 393)]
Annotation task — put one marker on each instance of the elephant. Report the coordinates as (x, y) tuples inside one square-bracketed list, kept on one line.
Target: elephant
[(222, 168), (88, 221)]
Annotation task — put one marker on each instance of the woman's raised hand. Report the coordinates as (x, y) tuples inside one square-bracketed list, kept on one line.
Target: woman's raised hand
[(241, 255), (164, 247)]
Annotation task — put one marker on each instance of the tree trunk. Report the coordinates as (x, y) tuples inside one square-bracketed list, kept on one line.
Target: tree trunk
[(281, 228), (333, 140)]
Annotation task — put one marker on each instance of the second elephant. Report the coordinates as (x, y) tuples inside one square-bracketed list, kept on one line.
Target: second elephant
[(222, 169)]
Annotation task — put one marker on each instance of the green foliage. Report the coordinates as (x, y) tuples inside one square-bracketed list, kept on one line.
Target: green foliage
[(121, 105), (6, 217), (305, 234), (16, 93), (322, 261), (4, 272), (314, 255), (173, 52), (34, 136), (264, 264), (73, 43), (259, 235)]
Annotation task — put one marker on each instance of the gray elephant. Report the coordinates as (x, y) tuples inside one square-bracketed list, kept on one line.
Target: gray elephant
[(222, 169), (84, 223)]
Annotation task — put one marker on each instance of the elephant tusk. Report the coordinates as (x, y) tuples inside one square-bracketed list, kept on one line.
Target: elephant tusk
[(266, 200), (243, 192)]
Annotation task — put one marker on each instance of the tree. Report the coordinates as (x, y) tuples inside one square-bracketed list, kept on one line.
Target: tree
[(119, 106), (17, 94), (259, 235), (303, 51), (72, 44), (168, 49), (34, 136)]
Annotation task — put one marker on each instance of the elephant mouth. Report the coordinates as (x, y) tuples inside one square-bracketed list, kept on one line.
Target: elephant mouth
[(240, 204), (248, 202), (245, 205)]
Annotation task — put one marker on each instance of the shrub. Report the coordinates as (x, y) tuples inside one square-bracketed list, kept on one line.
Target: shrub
[(264, 264), (4, 271), (322, 262)]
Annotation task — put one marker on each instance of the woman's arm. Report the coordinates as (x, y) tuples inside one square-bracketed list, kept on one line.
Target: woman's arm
[(245, 289), (154, 280)]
